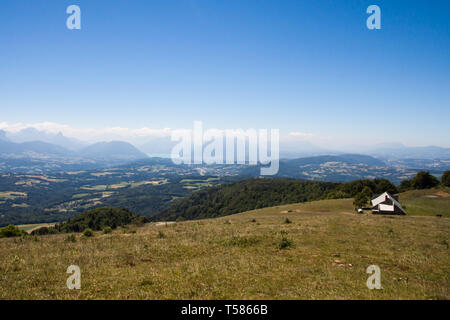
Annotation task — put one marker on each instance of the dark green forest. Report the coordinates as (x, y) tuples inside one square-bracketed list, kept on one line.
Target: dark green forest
[(95, 219)]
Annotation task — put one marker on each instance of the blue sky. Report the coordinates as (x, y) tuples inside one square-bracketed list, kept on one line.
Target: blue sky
[(300, 66)]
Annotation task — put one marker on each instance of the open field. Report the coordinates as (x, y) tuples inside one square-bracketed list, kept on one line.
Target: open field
[(95, 188), (7, 195), (30, 227), (80, 195), (426, 202), (328, 248)]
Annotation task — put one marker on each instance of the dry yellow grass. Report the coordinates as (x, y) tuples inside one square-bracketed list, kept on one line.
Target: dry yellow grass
[(237, 257)]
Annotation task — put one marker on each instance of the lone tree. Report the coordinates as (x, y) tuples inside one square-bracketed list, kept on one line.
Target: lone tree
[(445, 179), (362, 199)]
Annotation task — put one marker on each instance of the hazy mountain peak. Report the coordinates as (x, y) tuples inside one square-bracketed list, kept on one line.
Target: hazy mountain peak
[(119, 150), (30, 134)]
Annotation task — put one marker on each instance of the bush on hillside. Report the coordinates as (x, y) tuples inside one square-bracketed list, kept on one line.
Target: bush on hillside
[(71, 238), (11, 231), (88, 232), (284, 243), (107, 230)]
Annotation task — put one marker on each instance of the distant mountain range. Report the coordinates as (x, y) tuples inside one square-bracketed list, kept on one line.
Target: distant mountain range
[(289, 149), (55, 152), (32, 134), (114, 150)]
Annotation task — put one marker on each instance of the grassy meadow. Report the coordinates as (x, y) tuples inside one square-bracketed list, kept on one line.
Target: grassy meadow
[(315, 250), (426, 202)]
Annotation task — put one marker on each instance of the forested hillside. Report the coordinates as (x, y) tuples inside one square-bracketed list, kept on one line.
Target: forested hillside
[(243, 196), (260, 193)]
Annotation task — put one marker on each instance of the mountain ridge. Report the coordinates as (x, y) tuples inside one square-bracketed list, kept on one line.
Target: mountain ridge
[(113, 150)]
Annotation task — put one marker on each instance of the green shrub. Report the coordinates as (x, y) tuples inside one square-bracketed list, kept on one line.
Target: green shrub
[(161, 235), (129, 231), (107, 230), (88, 232), (11, 231), (287, 221), (284, 243)]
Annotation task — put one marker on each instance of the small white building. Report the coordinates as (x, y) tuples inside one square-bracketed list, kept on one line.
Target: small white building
[(386, 204)]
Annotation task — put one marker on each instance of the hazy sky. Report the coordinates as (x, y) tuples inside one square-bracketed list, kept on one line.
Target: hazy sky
[(311, 68)]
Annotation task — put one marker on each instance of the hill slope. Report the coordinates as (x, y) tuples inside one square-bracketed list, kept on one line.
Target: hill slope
[(244, 195), (326, 251), (427, 202)]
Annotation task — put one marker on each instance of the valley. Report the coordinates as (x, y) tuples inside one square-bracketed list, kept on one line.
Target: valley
[(42, 193), (145, 189)]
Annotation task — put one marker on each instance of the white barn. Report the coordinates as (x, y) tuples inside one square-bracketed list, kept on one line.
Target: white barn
[(386, 204)]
